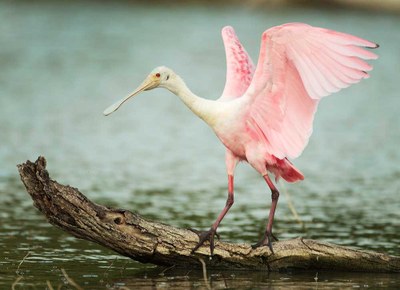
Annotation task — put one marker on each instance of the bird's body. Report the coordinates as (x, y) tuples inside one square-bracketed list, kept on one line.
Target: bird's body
[(244, 142), (265, 113), (233, 125)]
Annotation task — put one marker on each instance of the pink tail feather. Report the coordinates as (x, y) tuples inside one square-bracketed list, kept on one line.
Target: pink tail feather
[(285, 169)]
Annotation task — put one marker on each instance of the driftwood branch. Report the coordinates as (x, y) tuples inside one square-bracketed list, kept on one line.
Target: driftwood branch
[(150, 242)]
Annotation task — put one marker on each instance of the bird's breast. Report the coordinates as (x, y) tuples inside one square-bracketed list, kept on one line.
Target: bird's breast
[(231, 127), (234, 138)]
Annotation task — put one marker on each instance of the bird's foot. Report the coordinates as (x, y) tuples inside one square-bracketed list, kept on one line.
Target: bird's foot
[(205, 236), (266, 240)]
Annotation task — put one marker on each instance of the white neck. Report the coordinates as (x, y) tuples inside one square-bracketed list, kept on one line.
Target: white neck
[(203, 108)]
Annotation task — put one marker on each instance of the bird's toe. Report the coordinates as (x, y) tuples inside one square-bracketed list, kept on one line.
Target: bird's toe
[(205, 236), (266, 240)]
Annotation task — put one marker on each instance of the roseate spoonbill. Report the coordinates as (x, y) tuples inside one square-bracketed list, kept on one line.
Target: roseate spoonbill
[(265, 114)]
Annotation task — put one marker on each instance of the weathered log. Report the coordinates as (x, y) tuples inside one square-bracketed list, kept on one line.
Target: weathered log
[(151, 242)]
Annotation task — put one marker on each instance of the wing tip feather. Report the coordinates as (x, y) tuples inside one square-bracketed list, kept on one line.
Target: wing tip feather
[(372, 45), (227, 31), (373, 55)]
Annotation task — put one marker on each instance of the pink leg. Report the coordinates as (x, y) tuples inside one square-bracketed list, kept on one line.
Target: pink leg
[(268, 237), (209, 235)]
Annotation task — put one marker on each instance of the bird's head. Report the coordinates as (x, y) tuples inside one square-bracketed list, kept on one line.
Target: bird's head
[(160, 77)]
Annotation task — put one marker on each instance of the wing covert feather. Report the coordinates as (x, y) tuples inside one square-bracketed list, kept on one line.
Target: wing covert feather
[(240, 67), (297, 66)]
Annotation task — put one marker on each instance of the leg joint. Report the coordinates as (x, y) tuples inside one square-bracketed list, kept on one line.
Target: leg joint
[(274, 194), (230, 200)]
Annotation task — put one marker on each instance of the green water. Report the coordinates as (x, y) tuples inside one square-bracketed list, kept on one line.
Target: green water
[(63, 64)]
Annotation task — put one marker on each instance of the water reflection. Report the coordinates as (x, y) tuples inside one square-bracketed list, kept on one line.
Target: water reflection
[(155, 279)]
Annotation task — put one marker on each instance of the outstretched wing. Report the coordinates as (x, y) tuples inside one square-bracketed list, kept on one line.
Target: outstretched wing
[(239, 66), (298, 65)]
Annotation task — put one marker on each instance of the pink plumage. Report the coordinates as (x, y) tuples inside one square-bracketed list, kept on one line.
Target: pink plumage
[(265, 114), (297, 66), (240, 66)]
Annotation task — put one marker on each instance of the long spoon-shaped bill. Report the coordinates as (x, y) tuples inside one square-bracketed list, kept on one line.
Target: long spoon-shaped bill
[(149, 83)]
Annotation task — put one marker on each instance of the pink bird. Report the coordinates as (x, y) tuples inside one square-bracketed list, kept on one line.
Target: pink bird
[(265, 114)]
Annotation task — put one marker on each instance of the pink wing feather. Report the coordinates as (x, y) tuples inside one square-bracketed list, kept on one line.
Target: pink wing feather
[(240, 67), (298, 65)]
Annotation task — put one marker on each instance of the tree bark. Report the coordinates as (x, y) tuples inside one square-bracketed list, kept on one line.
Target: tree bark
[(151, 242)]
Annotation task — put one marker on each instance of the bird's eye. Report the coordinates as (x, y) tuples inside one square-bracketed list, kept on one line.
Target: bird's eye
[(158, 75), (167, 77)]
